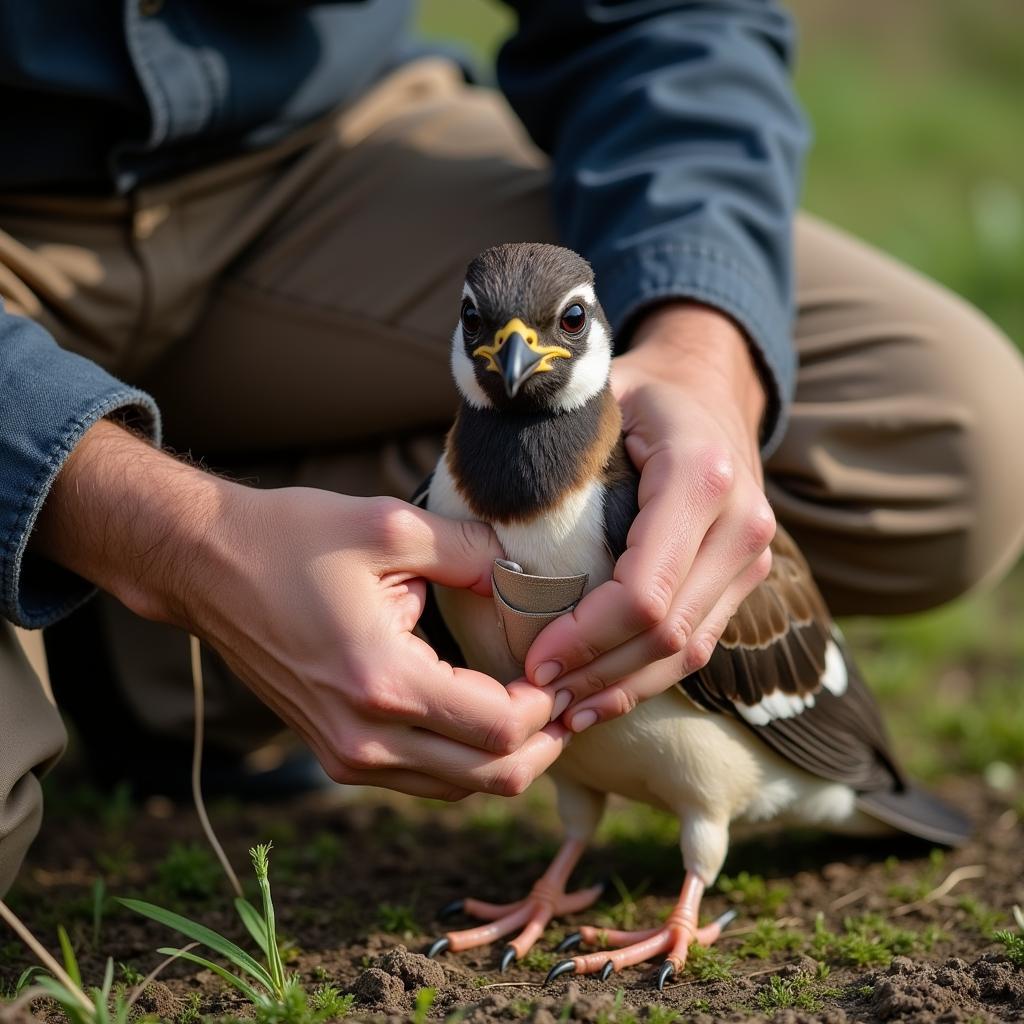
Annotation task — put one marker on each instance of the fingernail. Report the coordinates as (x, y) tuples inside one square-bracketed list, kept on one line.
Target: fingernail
[(584, 720), (546, 672), (562, 700)]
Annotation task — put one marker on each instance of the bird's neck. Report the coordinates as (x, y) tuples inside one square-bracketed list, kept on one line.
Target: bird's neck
[(513, 467)]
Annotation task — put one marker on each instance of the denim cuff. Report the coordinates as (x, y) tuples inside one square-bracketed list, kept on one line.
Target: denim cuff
[(51, 398), (650, 275)]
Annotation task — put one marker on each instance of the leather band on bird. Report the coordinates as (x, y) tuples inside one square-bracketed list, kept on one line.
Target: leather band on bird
[(526, 604)]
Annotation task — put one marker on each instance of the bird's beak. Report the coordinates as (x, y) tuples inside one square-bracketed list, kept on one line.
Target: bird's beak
[(517, 354)]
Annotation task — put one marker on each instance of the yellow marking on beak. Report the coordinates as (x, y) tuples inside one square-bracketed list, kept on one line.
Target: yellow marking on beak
[(529, 335)]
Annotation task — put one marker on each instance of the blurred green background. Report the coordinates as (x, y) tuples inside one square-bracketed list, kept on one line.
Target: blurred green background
[(919, 148)]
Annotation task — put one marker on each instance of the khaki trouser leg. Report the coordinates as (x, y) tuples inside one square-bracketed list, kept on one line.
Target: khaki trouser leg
[(301, 302), (31, 739)]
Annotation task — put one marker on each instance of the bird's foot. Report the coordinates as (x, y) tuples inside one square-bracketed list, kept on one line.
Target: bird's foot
[(632, 948), (530, 915)]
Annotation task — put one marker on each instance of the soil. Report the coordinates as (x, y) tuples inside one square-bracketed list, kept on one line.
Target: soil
[(357, 884)]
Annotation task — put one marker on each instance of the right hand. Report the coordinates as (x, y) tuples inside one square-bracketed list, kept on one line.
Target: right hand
[(312, 601), (311, 598)]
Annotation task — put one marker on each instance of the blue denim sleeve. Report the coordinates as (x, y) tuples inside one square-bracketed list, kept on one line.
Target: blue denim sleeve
[(48, 399), (677, 146)]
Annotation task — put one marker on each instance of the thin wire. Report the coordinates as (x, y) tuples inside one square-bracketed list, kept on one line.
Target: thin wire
[(197, 766)]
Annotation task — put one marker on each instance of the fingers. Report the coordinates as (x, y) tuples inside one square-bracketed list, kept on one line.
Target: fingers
[(409, 541), (406, 758), (677, 507), (621, 696), (459, 704), (710, 596)]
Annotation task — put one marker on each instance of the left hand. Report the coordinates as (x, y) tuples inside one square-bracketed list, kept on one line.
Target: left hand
[(692, 404)]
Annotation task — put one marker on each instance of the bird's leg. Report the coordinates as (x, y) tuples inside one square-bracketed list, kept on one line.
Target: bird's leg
[(547, 899), (672, 939)]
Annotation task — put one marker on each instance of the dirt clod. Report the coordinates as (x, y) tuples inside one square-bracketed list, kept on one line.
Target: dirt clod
[(413, 970), (377, 988)]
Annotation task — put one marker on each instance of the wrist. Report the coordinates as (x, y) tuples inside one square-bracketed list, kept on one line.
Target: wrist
[(700, 350), (134, 521)]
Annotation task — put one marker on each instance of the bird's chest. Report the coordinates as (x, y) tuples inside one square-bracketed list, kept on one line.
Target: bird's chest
[(565, 540)]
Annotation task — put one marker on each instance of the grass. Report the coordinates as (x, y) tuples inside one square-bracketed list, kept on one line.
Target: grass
[(1013, 942), (275, 996), (800, 992), (753, 893)]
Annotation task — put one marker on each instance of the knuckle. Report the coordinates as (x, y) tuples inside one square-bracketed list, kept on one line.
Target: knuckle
[(506, 736), (674, 635), (363, 755), (759, 528), (592, 682), (717, 472), (380, 697), (623, 701), (647, 606), (515, 780), (698, 653), (392, 521), (763, 565)]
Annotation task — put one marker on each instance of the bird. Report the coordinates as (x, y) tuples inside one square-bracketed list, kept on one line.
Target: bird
[(778, 726)]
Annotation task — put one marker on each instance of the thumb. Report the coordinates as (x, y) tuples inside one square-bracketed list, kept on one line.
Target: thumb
[(452, 552)]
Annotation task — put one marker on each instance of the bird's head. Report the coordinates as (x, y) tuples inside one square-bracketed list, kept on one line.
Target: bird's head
[(531, 335)]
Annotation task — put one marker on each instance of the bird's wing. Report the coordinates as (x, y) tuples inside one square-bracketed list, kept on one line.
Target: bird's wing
[(431, 624), (781, 667)]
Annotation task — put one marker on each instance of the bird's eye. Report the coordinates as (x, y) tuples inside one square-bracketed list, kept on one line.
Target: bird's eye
[(574, 319), (470, 320)]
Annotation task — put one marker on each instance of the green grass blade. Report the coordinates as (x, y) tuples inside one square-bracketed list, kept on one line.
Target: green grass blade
[(253, 923), (108, 978), (261, 862), (99, 897), (67, 999), (68, 952), (207, 936), (255, 997)]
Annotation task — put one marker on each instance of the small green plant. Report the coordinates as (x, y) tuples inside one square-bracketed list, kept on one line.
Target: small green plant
[(189, 871), (1013, 942), (798, 992), (190, 1014), (129, 975), (327, 1002), (983, 918), (709, 963), (922, 885), (397, 918), (868, 940), (278, 998), (107, 1004), (753, 892), (768, 937), (424, 1001), (539, 960), (661, 1015)]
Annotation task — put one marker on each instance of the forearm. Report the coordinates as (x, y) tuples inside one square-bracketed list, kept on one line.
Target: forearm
[(132, 520)]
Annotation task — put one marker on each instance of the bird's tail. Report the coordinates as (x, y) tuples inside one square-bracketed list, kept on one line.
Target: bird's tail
[(919, 813)]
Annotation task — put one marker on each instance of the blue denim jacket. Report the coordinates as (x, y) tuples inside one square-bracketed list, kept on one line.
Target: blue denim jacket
[(674, 134)]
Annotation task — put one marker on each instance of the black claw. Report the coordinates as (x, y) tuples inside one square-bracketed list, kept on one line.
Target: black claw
[(571, 941), (508, 958), (438, 946), (451, 909), (606, 971), (562, 967), (665, 972)]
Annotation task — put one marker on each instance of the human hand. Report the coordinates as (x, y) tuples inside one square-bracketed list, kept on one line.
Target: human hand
[(311, 598), (692, 404)]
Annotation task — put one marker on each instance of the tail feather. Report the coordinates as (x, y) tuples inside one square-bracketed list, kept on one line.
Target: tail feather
[(919, 813)]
